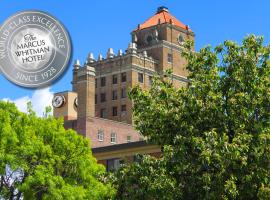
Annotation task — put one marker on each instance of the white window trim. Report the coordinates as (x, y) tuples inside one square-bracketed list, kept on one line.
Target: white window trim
[(130, 138), (115, 138), (100, 135)]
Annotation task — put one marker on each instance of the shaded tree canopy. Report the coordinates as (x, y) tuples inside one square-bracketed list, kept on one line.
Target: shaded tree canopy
[(39, 159), (215, 133)]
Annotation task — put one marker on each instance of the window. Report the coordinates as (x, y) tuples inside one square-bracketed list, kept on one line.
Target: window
[(114, 79), (123, 108), (113, 137), (114, 164), (129, 138), (149, 38), (124, 77), (140, 77), (180, 39), (114, 94), (123, 93), (137, 158), (100, 135), (114, 111), (150, 80), (95, 99), (170, 58), (102, 97), (103, 113), (103, 81), (96, 83)]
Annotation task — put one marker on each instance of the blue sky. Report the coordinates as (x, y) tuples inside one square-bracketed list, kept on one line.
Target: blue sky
[(94, 26)]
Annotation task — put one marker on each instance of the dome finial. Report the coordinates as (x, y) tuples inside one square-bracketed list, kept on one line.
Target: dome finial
[(162, 9)]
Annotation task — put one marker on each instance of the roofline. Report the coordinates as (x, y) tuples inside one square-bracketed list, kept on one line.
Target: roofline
[(120, 146), (65, 91), (166, 23)]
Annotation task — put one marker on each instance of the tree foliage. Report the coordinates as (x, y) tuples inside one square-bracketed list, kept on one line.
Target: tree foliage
[(39, 159), (215, 133)]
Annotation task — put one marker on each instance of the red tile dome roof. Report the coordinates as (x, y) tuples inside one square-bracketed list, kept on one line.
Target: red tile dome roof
[(162, 16)]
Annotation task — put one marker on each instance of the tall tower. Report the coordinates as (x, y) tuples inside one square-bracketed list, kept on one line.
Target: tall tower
[(85, 88), (102, 84), (98, 106), (162, 37)]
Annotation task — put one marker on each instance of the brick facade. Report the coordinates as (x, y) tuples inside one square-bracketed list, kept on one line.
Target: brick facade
[(101, 84)]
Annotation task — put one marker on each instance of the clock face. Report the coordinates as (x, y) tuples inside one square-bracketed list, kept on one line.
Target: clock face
[(76, 102), (58, 101)]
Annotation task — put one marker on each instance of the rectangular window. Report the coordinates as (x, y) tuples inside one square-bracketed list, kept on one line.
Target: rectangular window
[(102, 97), (114, 111), (129, 138), (123, 108), (114, 94), (103, 113), (113, 137), (103, 81), (123, 93), (137, 158), (170, 58), (114, 79), (100, 135), (150, 80), (140, 77), (96, 83), (124, 77), (114, 164), (95, 99)]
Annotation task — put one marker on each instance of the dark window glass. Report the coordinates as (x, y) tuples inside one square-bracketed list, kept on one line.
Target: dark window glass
[(102, 97), (123, 108), (140, 77), (96, 83), (123, 93), (114, 111), (103, 81), (114, 164), (170, 58), (124, 77), (114, 94), (180, 39), (95, 99), (113, 137), (138, 158), (150, 80), (149, 39), (103, 113), (114, 79)]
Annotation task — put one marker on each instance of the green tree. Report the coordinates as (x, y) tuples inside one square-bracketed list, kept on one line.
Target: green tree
[(215, 133), (39, 159)]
